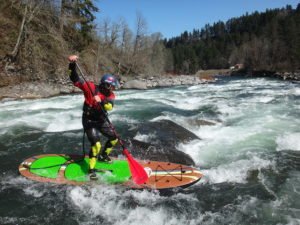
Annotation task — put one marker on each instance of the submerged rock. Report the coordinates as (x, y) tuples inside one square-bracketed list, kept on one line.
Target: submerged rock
[(156, 152), (166, 132), (161, 144)]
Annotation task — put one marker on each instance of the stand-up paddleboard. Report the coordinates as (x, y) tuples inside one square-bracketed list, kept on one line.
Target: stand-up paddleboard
[(73, 169)]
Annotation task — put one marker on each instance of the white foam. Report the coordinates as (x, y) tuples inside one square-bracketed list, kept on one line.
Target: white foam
[(164, 117), (34, 192), (128, 207), (145, 138), (236, 172), (195, 150), (190, 103), (146, 95), (174, 98), (50, 115), (265, 99), (122, 118), (110, 203), (219, 141), (7, 181), (295, 91), (288, 141), (64, 122)]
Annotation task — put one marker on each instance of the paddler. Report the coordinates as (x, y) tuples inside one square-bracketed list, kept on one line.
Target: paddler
[(93, 117)]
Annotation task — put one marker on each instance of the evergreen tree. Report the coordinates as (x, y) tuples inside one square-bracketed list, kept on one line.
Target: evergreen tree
[(80, 14), (265, 41)]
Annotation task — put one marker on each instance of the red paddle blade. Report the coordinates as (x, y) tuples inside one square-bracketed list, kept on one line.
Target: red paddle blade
[(139, 175)]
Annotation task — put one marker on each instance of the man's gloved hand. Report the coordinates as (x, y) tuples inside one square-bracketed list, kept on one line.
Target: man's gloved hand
[(97, 98), (108, 106), (73, 58)]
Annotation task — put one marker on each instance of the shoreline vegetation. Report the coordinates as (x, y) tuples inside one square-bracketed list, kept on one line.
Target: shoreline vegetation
[(39, 35), (44, 89)]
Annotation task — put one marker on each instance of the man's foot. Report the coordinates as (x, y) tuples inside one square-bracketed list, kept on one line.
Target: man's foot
[(93, 175), (104, 158)]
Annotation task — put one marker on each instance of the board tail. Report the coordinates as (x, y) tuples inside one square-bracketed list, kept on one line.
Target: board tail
[(138, 173)]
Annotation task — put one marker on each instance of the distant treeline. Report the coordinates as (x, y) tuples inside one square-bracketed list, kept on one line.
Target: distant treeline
[(260, 41)]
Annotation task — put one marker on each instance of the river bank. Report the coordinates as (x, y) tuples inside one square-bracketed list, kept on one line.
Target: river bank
[(45, 89)]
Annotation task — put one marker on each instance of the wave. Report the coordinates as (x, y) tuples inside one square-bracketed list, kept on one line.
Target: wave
[(288, 141)]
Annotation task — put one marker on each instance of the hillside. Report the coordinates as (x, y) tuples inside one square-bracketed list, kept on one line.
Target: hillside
[(38, 35)]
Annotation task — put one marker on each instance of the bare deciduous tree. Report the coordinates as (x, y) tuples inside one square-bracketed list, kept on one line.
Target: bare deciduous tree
[(141, 30), (31, 7)]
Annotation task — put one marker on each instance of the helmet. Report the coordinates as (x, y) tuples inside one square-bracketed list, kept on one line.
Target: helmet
[(108, 81)]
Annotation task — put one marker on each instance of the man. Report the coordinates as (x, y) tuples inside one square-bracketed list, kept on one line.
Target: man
[(98, 100)]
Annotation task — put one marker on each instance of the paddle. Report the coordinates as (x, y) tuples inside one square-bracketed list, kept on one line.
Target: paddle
[(139, 175)]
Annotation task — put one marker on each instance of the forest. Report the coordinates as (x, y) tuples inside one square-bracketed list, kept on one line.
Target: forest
[(268, 41), (38, 35)]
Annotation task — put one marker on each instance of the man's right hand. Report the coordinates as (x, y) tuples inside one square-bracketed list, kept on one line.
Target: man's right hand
[(73, 58), (97, 98)]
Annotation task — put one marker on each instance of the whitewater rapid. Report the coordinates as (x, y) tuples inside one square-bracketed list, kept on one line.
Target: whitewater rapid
[(255, 127)]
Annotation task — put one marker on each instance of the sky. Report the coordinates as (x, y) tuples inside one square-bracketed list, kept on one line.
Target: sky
[(173, 17)]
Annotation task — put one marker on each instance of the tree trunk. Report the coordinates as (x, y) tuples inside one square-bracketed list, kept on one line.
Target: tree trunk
[(12, 56)]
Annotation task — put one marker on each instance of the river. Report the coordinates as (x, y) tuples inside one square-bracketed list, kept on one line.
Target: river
[(250, 157)]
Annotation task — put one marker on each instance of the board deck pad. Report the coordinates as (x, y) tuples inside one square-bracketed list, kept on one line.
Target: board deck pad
[(73, 169)]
